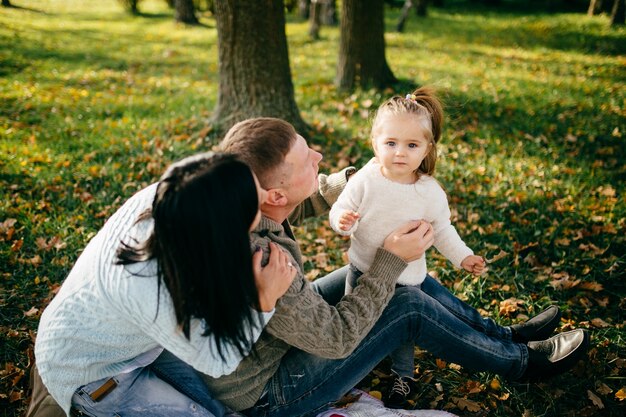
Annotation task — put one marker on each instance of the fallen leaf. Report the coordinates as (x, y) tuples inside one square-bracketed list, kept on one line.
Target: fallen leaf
[(376, 394), (604, 389), (621, 394), (465, 404), (599, 323), (496, 258), (495, 384), (591, 286), (31, 312), (347, 399), (595, 399)]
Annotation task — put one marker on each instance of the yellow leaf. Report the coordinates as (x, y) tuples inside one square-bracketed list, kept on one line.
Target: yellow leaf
[(376, 394), (621, 394), (495, 384)]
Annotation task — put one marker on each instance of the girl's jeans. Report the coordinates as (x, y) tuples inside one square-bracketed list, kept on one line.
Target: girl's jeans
[(166, 388), (430, 317)]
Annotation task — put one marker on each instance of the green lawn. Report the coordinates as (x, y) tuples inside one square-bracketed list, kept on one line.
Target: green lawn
[(95, 103)]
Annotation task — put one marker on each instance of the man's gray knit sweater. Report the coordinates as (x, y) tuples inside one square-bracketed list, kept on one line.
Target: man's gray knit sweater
[(303, 320)]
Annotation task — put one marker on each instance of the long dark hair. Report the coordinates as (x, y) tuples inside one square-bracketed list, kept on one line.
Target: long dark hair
[(202, 211)]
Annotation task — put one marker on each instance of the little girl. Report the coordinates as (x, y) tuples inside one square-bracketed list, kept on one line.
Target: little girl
[(396, 186)]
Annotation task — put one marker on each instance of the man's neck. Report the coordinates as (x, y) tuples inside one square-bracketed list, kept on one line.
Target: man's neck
[(277, 214)]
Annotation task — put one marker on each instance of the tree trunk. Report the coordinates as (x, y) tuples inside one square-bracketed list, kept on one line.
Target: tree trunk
[(315, 19), (6, 3), (329, 12), (303, 8), (618, 15), (594, 7), (362, 46), (254, 74), (408, 5), (185, 12)]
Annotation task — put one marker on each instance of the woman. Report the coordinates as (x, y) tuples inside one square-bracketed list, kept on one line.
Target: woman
[(168, 285)]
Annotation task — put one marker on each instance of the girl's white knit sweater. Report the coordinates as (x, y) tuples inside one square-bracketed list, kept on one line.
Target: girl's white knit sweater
[(108, 319), (385, 205)]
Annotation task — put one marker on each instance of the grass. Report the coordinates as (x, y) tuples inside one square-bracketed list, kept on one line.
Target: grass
[(95, 103)]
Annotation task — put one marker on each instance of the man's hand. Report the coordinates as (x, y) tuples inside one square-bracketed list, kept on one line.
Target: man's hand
[(411, 240), (347, 220), (272, 280), (474, 264)]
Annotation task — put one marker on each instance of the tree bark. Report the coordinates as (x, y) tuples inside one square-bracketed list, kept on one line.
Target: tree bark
[(618, 15), (329, 12), (185, 12), (304, 7), (315, 19), (254, 74), (362, 46), (594, 7)]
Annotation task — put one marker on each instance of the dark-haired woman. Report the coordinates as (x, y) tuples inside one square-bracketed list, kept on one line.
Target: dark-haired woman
[(168, 287)]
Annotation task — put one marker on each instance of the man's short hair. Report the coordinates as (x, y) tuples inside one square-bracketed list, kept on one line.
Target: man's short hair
[(262, 143)]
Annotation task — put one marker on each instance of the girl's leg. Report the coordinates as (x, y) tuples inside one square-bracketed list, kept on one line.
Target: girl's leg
[(403, 360), (305, 384), (463, 311), (143, 392)]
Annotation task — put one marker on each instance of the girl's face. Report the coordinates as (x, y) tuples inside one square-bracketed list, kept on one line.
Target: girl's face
[(262, 194), (400, 146)]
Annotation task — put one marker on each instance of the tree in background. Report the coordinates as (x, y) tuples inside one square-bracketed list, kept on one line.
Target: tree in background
[(362, 46), (6, 3), (321, 12), (421, 8), (131, 5), (618, 14), (185, 12), (254, 74)]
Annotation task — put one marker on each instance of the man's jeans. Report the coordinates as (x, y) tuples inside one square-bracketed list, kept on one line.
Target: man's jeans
[(430, 317), (166, 388)]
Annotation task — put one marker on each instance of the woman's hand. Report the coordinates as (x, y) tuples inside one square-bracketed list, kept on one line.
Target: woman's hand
[(411, 240), (273, 279), (474, 264), (347, 220)]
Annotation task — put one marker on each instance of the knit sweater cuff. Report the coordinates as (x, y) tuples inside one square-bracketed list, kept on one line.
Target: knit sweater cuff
[(386, 265)]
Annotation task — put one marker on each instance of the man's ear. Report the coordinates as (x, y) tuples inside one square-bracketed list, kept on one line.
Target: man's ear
[(276, 197)]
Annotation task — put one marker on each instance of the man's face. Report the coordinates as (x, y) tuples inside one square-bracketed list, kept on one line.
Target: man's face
[(302, 167)]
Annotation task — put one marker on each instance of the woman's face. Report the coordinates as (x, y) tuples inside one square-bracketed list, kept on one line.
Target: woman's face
[(262, 194)]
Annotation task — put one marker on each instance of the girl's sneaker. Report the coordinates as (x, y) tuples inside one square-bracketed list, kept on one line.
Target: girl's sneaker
[(398, 396)]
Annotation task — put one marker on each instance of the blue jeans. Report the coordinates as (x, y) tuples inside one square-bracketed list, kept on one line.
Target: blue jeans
[(430, 317), (166, 388)]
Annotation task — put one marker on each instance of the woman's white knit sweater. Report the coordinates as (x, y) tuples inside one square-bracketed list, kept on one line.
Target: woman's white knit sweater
[(385, 205), (108, 319)]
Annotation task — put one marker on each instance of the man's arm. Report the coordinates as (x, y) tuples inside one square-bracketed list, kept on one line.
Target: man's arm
[(303, 319), (330, 186)]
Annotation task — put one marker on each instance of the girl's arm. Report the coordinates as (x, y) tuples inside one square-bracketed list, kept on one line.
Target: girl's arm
[(344, 215), (447, 240)]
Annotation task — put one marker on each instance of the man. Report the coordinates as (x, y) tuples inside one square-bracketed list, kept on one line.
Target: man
[(312, 352)]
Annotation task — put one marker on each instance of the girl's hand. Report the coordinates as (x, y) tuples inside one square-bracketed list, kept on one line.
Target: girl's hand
[(273, 279), (411, 240), (347, 220), (474, 264)]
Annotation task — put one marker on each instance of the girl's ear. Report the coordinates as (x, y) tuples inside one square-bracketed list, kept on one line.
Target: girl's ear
[(276, 197)]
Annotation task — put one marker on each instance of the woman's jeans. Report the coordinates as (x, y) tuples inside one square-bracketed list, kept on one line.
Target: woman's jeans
[(166, 388), (430, 317)]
